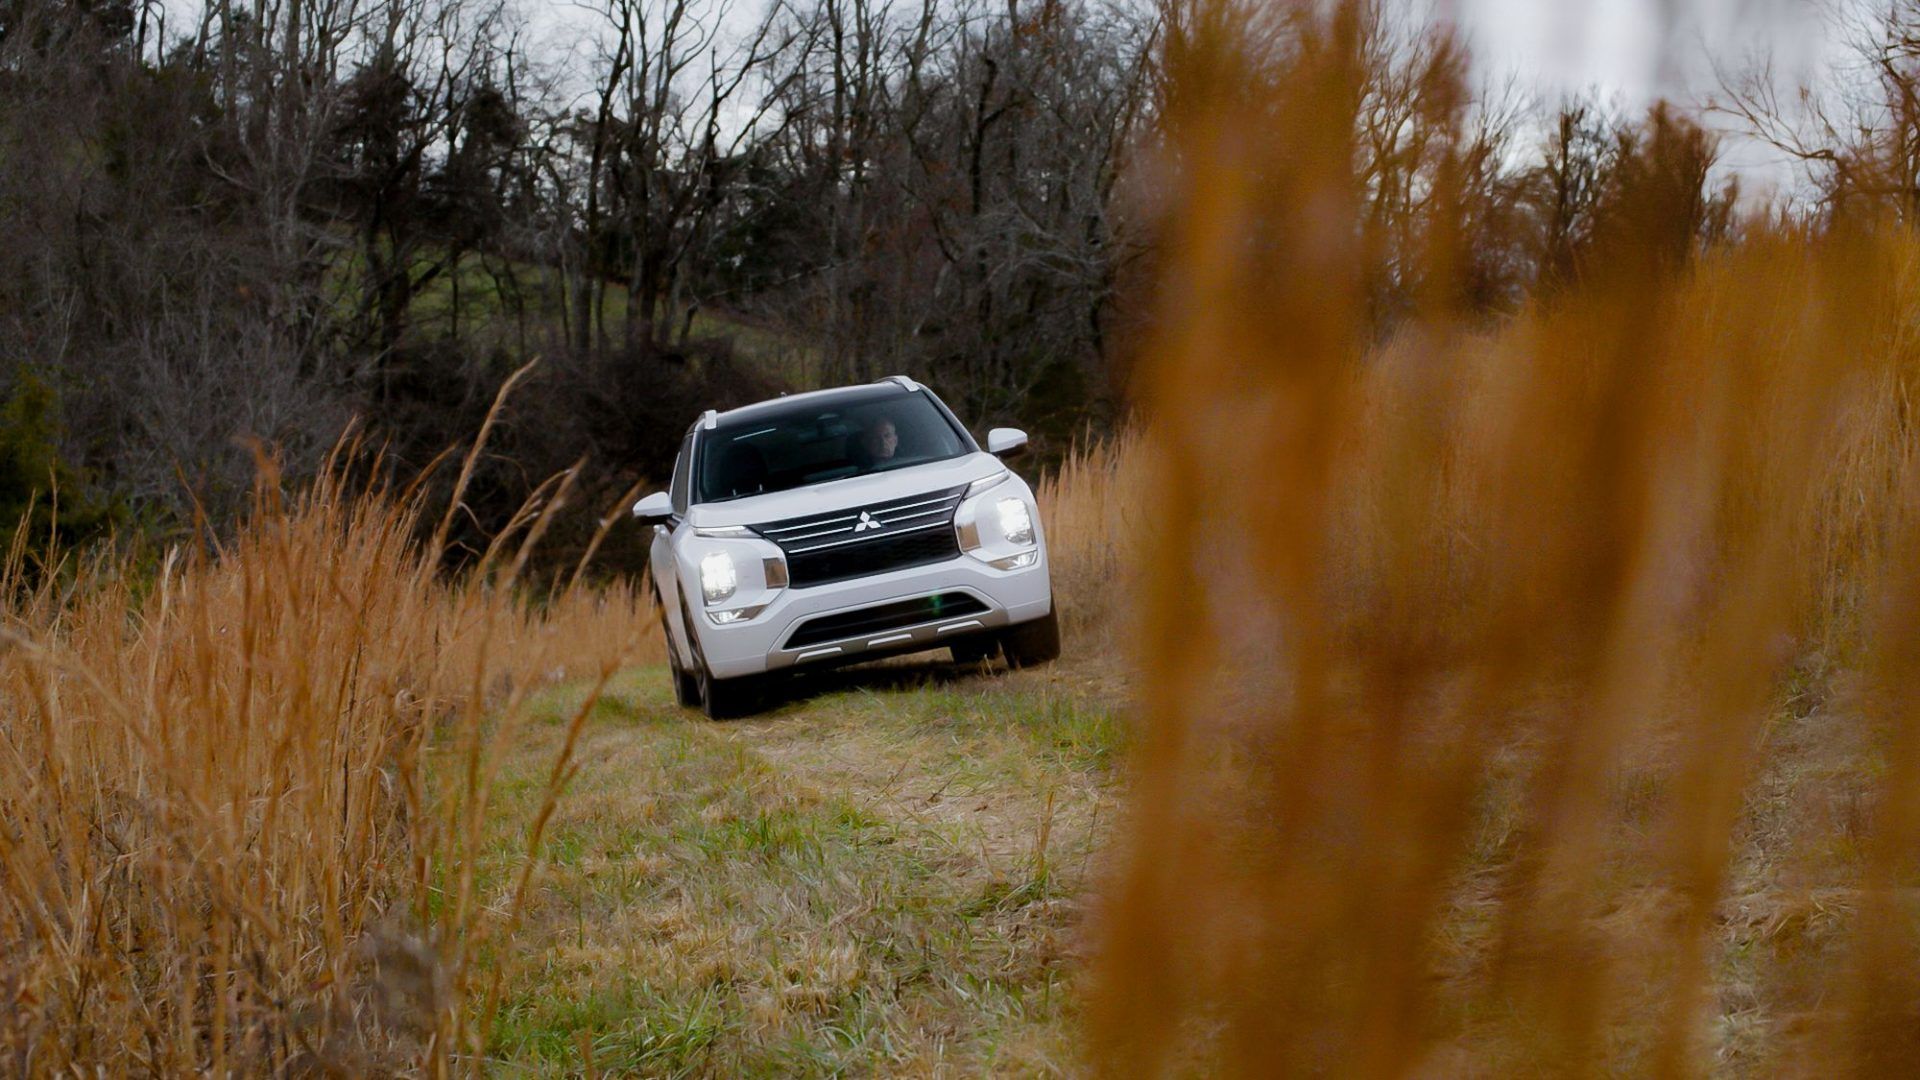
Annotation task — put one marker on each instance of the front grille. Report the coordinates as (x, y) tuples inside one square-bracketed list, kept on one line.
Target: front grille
[(911, 531), (881, 618)]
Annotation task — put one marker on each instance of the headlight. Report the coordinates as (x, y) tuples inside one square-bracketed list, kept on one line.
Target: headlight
[(717, 577), (1015, 523)]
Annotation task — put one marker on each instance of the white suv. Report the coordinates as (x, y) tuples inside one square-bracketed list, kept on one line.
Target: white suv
[(842, 525)]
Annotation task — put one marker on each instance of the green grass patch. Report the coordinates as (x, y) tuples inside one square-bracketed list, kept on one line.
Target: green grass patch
[(766, 899)]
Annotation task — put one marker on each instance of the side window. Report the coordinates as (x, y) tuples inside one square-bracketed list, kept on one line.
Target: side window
[(682, 471)]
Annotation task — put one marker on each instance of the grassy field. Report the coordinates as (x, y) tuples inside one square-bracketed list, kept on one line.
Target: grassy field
[(1539, 698), (883, 875)]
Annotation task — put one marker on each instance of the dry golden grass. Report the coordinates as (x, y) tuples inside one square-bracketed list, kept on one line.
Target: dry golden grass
[(222, 847), (1090, 508), (1536, 699)]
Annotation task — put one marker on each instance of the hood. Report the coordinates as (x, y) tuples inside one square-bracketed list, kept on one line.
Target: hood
[(846, 494)]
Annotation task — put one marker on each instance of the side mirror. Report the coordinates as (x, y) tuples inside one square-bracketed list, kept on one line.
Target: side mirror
[(1006, 441), (655, 509)]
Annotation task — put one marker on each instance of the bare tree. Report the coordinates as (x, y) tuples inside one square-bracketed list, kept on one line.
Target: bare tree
[(1857, 133), (963, 159), (674, 115)]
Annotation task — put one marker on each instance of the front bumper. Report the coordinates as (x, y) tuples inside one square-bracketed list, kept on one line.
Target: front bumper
[(760, 644)]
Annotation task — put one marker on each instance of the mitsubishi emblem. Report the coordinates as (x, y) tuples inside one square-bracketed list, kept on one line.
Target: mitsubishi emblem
[(866, 522)]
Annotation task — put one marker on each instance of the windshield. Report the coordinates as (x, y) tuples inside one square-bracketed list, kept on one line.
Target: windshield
[(830, 439)]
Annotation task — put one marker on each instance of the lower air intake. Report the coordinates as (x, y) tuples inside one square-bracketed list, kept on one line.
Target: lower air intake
[(867, 622)]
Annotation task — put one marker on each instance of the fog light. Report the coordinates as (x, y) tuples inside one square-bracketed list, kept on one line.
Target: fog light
[(717, 577), (1016, 562), (1015, 523), (722, 618)]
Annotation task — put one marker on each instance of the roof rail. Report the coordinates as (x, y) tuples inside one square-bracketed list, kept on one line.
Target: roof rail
[(709, 419), (900, 381)]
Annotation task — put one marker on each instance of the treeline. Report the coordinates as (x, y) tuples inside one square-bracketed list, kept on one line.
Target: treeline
[(247, 230)]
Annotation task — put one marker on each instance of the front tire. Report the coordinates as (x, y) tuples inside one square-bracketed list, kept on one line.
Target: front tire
[(686, 685), (974, 651), (720, 699), (1031, 644), (729, 699)]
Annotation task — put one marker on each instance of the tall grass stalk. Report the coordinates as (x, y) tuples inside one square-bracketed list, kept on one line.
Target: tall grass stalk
[(231, 840), (1491, 681), (1091, 512)]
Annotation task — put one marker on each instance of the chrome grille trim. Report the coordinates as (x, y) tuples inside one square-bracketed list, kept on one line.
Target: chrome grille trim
[(886, 514), (833, 546), (809, 536), (878, 535), (920, 514), (769, 531)]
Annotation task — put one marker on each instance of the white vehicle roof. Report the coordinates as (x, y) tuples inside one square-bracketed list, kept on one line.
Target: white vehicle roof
[(887, 387)]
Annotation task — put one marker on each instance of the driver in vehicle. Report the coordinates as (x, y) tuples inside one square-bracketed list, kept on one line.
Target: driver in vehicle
[(879, 442)]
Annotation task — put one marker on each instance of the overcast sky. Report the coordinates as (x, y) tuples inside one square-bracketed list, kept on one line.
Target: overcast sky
[(1642, 48), (1638, 51)]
